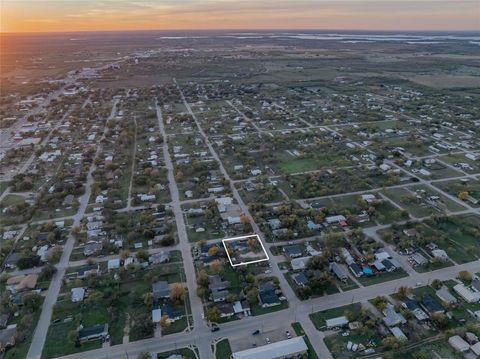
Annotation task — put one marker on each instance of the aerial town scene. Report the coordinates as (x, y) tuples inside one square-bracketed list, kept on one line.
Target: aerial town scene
[(240, 193)]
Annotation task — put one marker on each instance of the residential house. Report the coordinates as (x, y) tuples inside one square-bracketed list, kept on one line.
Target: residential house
[(22, 282), (219, 295), (392, 317), (413, 306), (91, 248), (337, 322), (161, 289), (466, 293), (84, 271), (160, 257), (356, 270), (398, 333), (299, 263), (7, 337), (242, 307), (293, 251), (216, 283), (78, 294), (12, 259), (445, 296), (226, 310), (114, 264), (171, 311), (440, 254), (267, 295), (430, 305), (338, 219), (301, 279), (336, 269), (457, 343), (274, 223), (95, 332)]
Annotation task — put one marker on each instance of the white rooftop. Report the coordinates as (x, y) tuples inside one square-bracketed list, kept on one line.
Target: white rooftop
[(274, 350)]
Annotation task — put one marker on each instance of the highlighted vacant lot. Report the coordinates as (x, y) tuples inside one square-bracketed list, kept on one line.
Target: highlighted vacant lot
[(245, 250)]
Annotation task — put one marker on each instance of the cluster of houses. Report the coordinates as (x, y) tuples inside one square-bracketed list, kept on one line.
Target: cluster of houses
[(163, 305), (299, 256), (16, 287), (277, 228), (44, 246), (466, 344), (382, 262), (431, 252), (428, 305), (97, 237), (219, 292)]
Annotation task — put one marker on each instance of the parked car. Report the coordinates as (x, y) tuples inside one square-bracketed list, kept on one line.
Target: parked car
[(215, 329), (267, 340)]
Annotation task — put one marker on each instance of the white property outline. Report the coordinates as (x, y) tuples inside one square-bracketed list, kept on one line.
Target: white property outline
[(243, 237)]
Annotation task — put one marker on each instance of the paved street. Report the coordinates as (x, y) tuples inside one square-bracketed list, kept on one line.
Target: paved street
[(299, 312), (41, 330), (195, 302)]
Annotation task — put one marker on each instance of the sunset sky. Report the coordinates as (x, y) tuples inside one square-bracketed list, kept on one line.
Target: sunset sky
[(91, 15)]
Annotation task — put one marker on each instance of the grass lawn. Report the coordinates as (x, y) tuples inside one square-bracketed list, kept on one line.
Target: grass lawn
[(337, 344), (449, 204), (417, 209), (3, 186), (222, 349), (348, 285), (184, 352), (433, 266), (253, 196), (231, 275), (330, 289), (437, 349), (12, 199), (175, 327), (258, 310), (57, 343), (209, 233), (387, 213), (290, 164), (41, 215), (421, 291), (21, 349), (464, 244), (383, 277), (297, 327), (319, 318)]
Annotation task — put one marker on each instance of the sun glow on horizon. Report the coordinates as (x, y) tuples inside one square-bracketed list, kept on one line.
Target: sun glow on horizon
[(111, 15)]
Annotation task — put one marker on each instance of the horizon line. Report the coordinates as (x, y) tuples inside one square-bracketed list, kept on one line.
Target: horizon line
[(235, 29)]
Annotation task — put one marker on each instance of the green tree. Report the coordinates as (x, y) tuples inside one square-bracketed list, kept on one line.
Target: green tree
[(252, 296), (465, 276), (32, 301), (213, 314)]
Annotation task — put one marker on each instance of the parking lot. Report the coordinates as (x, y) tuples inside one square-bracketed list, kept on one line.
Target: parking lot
[(249, 340)]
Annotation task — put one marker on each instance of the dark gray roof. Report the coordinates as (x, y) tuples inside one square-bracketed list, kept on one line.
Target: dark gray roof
[(97, 329), (161, 289)]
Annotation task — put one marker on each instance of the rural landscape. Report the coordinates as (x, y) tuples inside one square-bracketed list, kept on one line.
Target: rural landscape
[(234, 194)]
